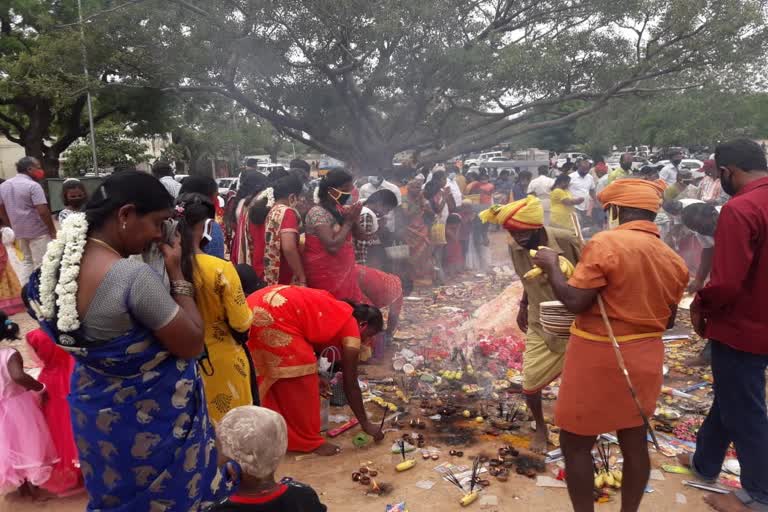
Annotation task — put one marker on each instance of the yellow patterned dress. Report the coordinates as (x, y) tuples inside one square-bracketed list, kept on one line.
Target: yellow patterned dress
[(221, 301)]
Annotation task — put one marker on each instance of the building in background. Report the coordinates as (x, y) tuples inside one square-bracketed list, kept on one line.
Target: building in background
[(10, 153)]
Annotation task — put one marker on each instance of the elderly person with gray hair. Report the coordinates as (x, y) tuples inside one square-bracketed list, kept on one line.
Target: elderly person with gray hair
[(252, 441)]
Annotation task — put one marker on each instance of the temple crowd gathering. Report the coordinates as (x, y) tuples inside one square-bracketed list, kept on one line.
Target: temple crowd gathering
[(183, 364), (393, 256)]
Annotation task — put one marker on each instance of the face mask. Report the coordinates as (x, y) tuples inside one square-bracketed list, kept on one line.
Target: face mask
[(37, 174), (376, 181), (626, 165), (613, 217), (77, 203), (534, 241), (676, 162), (341, 197), (727, 183)]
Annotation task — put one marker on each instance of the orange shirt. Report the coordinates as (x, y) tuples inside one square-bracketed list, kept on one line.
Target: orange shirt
[(640, 277)]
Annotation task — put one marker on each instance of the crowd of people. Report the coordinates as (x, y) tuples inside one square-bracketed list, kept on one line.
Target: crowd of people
[(194, 334)]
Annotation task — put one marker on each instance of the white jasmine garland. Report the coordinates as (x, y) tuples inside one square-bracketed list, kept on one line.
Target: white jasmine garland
[(269, 195), (316, 195), (48, 276), (65, 256)]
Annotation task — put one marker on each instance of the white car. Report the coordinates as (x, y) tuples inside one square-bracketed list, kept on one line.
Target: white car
[(483, 157), (268, 168), (562, 158), (224, 184), (689, 164)]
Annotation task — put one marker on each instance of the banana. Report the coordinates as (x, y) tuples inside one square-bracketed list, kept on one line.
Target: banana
[(405, 465), (618, 476), (609, 480), (469, 499), (599, 481), (566, 267)]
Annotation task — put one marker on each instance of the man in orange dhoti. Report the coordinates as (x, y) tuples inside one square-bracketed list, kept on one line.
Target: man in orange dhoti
[(544, 353), (290, 324), (641, 280)]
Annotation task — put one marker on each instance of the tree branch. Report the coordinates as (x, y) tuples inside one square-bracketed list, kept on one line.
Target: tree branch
[(8, 135)]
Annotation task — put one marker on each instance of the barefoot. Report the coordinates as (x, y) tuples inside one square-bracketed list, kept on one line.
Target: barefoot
[(725, 503), (328, 450), (539, 441)]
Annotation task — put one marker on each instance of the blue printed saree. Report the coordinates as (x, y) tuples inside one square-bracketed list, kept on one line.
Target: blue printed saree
[(140, 423)]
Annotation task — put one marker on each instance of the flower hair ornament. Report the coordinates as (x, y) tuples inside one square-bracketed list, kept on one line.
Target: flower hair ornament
[(178, 210), (269, 195)]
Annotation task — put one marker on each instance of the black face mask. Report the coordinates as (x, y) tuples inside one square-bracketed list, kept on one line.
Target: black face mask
[(534, 241), (76, 204), (727, 184), (344, 197), (626, 165), (676, 162)]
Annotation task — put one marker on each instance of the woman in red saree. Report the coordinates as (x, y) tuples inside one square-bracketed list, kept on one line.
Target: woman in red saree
[(277, 220), (290, 325), (329, 254), (382, 290), (251, 184), (55, 375)]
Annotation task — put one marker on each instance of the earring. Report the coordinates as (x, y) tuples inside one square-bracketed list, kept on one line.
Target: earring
[(125, 226)]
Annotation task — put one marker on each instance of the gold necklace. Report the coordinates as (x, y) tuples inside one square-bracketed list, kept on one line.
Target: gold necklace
[(105, 245)]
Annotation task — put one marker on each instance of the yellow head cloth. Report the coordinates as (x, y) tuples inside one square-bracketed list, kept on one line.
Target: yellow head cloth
[(518, 216), (634, 193)]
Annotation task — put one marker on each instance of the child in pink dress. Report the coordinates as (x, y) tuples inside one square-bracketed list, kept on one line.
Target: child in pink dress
[(27, 454), (55, 376)]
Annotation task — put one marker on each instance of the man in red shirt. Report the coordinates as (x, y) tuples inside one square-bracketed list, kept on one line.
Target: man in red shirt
[(730, 311)]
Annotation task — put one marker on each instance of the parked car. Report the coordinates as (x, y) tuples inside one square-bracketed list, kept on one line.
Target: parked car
[(224, 185), (483, 157), (689, 164), (563, 157)]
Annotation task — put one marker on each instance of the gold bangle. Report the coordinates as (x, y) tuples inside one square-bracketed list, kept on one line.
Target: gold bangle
[(182, 288)]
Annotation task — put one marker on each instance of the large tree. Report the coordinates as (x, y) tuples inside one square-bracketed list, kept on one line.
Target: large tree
[(362, 80), (43, 88), (702, 117)]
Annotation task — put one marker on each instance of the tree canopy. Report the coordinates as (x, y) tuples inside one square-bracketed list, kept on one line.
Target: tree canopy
[(114, 146), (43, 91), (363, 80), (702, 117)]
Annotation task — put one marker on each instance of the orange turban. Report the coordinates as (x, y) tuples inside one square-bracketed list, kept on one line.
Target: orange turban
[(518, 216), (634, 193)]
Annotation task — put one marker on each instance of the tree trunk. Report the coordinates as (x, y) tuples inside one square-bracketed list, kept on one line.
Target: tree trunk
[(375, 161)]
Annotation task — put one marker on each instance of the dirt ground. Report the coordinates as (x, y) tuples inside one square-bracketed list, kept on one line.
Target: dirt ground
[(331, 476)]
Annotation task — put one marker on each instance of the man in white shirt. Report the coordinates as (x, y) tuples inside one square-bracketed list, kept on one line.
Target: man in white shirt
[(541, 186), (669, 172), (376, 183), (164, 172), (582, 186)]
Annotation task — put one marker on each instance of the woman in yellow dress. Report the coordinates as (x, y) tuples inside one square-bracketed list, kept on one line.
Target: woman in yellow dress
[(224, 312), (561, 203)]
